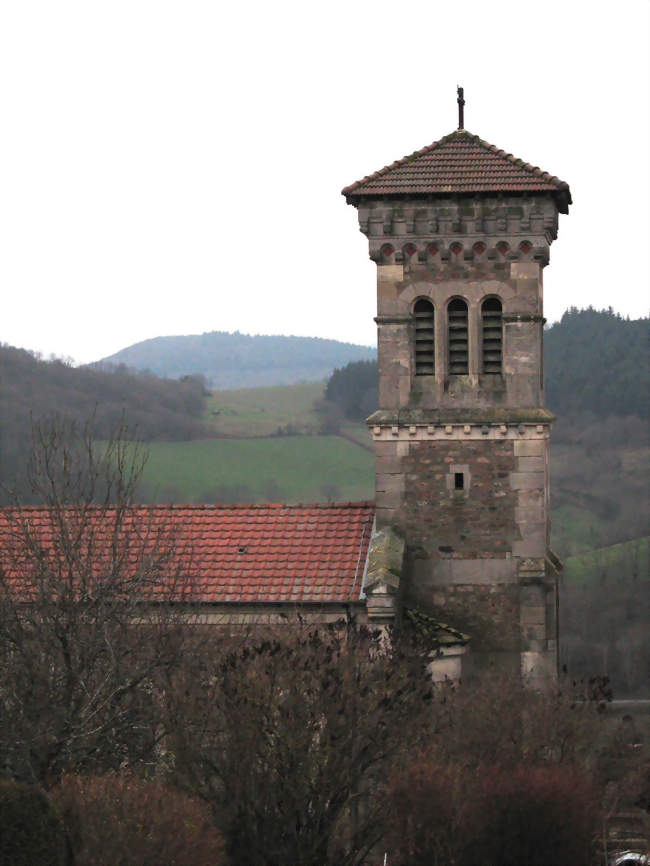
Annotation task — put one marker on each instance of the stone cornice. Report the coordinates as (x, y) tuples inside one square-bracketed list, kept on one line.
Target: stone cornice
[(457, 216), (440, 417), (394, 320), (523, 317), (456, 432)]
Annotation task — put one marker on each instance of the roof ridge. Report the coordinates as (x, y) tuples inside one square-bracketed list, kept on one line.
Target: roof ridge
[(528, 168), (199, 506), (402, 161), (515, 160)]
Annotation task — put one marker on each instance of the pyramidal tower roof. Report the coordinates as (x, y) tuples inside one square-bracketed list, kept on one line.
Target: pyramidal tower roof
[(459, 163)]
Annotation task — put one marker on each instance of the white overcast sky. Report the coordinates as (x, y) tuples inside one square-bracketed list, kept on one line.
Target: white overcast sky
[(176, 167)]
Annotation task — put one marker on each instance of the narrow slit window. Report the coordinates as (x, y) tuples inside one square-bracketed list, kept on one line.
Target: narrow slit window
[(459, 481), (424, 339), (492, 335), (458, 342)]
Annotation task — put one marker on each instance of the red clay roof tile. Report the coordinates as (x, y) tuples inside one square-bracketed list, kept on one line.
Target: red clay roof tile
[(458, 163), (243, 552)]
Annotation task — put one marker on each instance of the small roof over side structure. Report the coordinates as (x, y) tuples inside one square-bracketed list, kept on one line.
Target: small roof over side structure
[(459, 164)]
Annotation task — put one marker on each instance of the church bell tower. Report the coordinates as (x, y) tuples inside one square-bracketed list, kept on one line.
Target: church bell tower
[(460, 232)]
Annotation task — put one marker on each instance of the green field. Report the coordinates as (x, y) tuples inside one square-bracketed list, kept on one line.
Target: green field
[(318, 469), (287, 469), (630, 555), (261, 411), (598, 494), (574, 529)]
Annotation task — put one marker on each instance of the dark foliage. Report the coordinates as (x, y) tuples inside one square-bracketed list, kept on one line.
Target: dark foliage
[(241, 360), (33, 388), (492, 815), (119, 819), (605, 610), (285, 731), (503, 778), (354, 389), (596, 361), (31, 831)]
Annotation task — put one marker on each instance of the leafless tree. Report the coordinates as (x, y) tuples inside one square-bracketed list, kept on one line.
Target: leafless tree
[(87, 622), (289, 736)]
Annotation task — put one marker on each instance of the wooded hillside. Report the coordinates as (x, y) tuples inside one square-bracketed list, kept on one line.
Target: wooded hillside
[(596, 361), (152, 408)]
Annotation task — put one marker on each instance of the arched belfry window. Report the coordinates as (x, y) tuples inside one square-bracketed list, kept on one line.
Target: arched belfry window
[(458, 343), (492, 335), (424, 341)]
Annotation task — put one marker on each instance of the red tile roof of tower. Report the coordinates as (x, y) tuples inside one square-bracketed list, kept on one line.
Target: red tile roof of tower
[(235, 553), (459, 163)]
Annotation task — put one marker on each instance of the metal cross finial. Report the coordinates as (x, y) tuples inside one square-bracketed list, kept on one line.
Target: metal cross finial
[(461, 107)]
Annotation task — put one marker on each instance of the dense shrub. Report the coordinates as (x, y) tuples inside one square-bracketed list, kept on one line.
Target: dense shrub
[(535, 815), (428, 807), (119, 819), (492, 815), (31, 831)]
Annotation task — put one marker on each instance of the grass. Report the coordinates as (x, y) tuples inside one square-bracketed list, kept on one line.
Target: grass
[(597, 496), (587, 566), (249, 412), (574, 529), (287, 469)]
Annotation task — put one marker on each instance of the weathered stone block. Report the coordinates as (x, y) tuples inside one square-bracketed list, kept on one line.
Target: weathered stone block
[(525, 270), (533, 615), (531, 595), (530, 464), (529, 513), (477, 572), (387, 464), (386, 515), (390, 273), (389, 483), (534, 498), (530, 447), (532, 530), (529, 547), (527, 480), (388, 499)]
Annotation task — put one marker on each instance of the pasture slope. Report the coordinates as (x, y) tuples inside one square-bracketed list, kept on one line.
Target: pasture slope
[(267, 447), (629, 556), (279, 469)]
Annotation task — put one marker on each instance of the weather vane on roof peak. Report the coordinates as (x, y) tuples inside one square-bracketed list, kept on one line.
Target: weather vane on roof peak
[(461, 106)]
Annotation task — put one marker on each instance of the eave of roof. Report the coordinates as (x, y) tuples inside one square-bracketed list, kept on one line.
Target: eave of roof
[(460, 163)]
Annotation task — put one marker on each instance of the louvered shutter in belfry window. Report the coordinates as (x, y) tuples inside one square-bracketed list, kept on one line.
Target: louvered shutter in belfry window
[(458, 337), (492, 335), (424, 339)]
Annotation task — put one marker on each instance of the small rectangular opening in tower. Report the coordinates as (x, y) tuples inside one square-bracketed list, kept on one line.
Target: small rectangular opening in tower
[(459, 481)]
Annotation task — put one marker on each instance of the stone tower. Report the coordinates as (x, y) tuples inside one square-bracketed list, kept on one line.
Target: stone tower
[(460, 232)]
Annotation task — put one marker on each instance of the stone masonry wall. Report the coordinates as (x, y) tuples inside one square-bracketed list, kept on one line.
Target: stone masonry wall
[(518, 285), (476, 556), (462, 460)]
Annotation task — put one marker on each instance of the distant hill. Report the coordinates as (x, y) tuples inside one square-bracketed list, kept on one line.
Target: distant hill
[(240, 360)]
